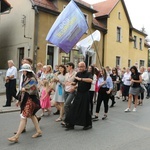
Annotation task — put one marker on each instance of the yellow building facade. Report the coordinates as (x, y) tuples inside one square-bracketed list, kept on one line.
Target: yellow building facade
[(116, 47), (119, 49), (138, 51), (51, 54)]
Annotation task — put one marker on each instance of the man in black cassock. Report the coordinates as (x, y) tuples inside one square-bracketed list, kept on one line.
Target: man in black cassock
[(79, 113)]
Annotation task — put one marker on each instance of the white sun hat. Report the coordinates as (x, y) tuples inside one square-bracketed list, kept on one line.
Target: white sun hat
[(26, 67)]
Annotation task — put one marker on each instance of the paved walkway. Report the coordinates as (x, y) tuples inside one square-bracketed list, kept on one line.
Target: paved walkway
[(7, 109)]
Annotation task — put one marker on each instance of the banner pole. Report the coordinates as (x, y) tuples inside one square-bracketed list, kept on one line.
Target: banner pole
[(95, 47)]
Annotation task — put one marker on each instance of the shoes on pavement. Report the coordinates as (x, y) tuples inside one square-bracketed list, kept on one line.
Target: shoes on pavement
[(127, 110), (141, 103), (134, 109), (112, 105), (117, 97), (58, 120), (87, 127), (105, 116), (38, 134), (6, 105), (95, 117), (56, 113), (69, 127), (63, 123), (13, 139), (147, 97), (23, 131)]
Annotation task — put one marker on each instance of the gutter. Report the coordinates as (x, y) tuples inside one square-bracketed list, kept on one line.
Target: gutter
[(103, 49), (34, 6), (36, 28)]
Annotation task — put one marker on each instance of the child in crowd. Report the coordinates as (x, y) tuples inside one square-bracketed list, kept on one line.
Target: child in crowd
[(45, 100)]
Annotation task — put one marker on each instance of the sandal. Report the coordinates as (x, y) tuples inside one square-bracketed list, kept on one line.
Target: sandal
[(13, 139), (58, 120), (38, 134), (63, 123)]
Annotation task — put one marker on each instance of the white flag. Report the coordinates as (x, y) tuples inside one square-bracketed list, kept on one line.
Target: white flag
[(85, 44)]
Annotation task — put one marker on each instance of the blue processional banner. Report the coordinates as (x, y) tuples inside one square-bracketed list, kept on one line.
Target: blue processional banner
[(68, 28)]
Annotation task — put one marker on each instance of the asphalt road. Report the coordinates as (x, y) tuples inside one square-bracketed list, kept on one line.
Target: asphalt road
[(121, 131)]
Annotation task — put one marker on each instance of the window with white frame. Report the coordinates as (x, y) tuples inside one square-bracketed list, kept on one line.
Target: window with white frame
[(129, 63), (118, 34), (117, 60), (140, 43), (135, 41), (142, 62)]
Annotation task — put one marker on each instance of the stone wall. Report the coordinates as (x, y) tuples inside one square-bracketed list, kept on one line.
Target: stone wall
[(2, 81)]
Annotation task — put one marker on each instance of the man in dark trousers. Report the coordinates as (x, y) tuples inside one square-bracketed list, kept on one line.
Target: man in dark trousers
[(10, 84), (79, 112)]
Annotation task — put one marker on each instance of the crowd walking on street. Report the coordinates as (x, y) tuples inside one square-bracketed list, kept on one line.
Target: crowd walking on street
[(73, 92)]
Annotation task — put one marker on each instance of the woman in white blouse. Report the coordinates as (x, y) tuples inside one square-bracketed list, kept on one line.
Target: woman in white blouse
[(92, 90), (126, 84)]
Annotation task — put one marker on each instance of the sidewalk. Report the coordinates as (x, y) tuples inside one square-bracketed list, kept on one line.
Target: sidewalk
[(13, 108)]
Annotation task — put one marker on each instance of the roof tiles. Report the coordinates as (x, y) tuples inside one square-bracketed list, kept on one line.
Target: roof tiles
[(105, 7), (46, 4)]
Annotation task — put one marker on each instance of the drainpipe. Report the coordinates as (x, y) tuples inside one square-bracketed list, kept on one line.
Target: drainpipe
[(36, 27), (103, 50)]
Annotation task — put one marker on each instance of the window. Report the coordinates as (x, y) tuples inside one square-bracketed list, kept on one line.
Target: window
[(50, 55), (119, 15), (141, 63), (77, 57), (117, 61), (86, 18), (135, 41), (21, 56), (118, 34), (129, 63), (140, 43)]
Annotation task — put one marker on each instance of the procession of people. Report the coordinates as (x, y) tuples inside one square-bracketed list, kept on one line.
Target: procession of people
[(73, 91)]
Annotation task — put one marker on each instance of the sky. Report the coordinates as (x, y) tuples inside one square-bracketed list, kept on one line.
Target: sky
[(138, 11)]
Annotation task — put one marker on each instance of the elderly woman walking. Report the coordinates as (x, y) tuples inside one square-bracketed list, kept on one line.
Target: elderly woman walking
[(29, 102)]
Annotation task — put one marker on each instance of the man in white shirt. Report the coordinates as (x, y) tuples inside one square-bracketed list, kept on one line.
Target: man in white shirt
[(10, 84)]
